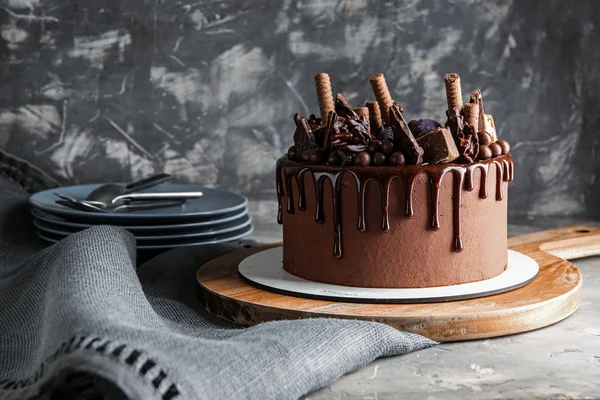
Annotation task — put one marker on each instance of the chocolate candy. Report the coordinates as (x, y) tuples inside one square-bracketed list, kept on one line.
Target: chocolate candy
[(317, 156), (423, 125), (334, 158), (404, 138), (363, 159), (439, 146), (306, 155), (374, 146), (291, 153), (505, 146), (496, 149), (484, 138), (485, 153), (387, 146), (379, 159), (397, 158)]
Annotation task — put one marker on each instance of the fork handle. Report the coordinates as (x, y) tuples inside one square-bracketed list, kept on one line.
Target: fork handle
[(158, 196)]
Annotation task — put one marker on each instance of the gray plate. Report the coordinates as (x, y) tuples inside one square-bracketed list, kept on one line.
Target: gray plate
[(238, 224), (214, 202), (170, 244), (143, 229)]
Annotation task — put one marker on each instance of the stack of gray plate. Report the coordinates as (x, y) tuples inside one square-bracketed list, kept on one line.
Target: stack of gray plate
[(218, 216)]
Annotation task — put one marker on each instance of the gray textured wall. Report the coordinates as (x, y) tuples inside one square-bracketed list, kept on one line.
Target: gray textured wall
[(117, 89)]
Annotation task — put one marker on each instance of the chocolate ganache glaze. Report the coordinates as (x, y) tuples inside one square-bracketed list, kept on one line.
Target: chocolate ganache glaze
[(462, 175)]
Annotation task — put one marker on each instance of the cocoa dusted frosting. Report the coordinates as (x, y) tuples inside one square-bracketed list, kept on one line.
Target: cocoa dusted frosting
[(372, 158)]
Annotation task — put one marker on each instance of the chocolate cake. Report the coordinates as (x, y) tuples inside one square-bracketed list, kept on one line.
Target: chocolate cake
[(367, 199)]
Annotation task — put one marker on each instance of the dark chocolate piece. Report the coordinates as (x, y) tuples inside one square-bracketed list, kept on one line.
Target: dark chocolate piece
[(303, 136), (464, 135), (439, 146), (344, 109), (403, 137)]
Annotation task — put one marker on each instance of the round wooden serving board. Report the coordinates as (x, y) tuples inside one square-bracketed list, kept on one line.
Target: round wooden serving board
[(552, 296)]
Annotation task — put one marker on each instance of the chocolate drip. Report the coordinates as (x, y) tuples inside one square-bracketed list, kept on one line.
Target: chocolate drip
[(409, 183), (459, 176), (301, 193), (463, 177)]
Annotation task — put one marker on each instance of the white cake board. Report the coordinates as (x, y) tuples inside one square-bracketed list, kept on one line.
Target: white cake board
[(265, 269)]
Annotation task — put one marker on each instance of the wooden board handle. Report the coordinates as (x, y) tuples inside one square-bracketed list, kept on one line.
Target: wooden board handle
[(568, 242)]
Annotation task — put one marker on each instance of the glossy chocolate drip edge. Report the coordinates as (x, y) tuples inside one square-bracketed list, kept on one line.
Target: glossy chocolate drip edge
[(462, 180)]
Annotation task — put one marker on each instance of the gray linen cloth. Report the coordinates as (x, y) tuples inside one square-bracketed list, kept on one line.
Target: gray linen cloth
[(79, 319)]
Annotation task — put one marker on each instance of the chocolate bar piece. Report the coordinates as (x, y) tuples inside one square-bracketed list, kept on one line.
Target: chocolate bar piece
[(439, 146), (404, 138)]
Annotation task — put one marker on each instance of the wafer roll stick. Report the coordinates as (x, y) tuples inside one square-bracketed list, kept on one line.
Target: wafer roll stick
[(374, 116), (471, 113), (453, 91), (324, 95), (383, 96), (477, 98)]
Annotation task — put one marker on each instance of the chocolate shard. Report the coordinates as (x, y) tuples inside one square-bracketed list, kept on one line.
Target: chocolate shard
[(404, 138), (329, 131), (343, 109), (464, 135), (439, 146), (303, 136)]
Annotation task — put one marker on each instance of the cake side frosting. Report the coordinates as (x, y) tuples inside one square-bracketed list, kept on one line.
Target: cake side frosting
[(404, 227)]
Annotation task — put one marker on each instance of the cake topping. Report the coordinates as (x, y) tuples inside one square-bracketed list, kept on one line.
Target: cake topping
[(404, 138), (374, 116), (380, 127), (324, 95), (453, 91), (379, 159), (387, 146), (496, 149), (484, 139), (382, 94), (505, 146), (439, 146), (397, 158), (471, 113), (485, 153), (423, 125)]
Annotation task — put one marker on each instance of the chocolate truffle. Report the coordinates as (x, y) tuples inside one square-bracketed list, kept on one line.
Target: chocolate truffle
[(484, 138), (397, 158), (505, 146), (496, 149), (484, 152), (363, 159), (379, 159), (387, 146)]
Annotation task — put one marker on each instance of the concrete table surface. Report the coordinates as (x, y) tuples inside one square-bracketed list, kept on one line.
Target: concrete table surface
[(559, 361)]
